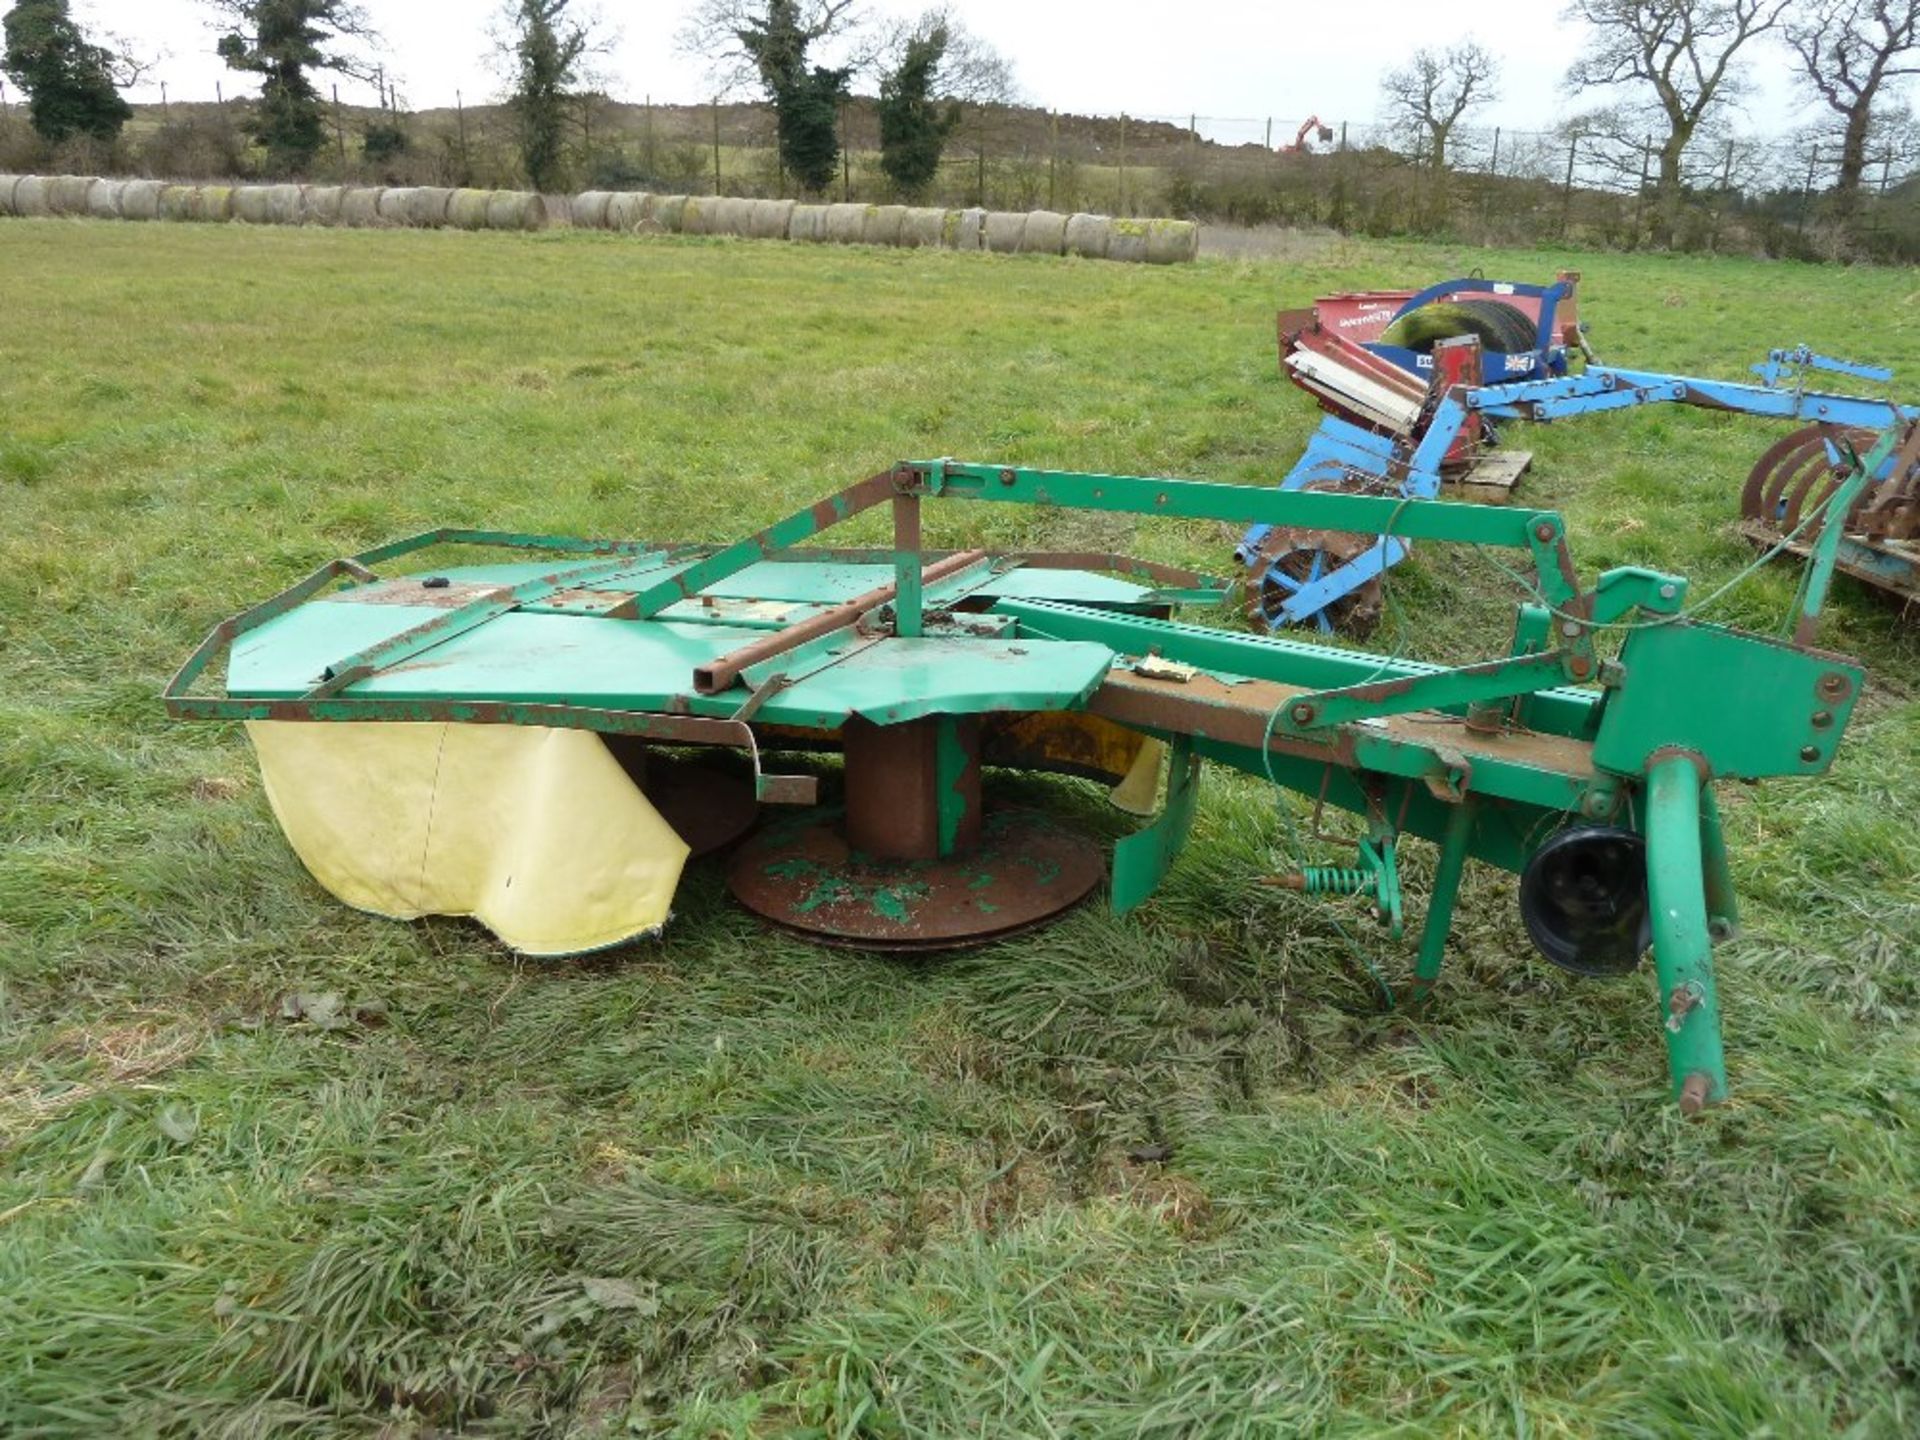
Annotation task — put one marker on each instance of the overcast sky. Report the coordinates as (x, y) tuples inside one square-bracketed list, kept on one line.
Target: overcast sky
[(1234, 60)]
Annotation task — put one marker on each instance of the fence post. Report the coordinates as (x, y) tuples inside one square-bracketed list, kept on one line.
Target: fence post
[(1886, 170), (339, 125), (1343, 137), (652, 166), (1566, 192), (460, 118), (846, 160), (1640, 195), (1122, 206), (1053, 158), (1269, 132), (1493, 167), (716, 145), (980, 175), (164, 116), (1193, 132), (1806, 195)]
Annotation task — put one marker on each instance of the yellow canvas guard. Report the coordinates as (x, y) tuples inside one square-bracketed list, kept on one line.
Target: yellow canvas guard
[(536, 833)]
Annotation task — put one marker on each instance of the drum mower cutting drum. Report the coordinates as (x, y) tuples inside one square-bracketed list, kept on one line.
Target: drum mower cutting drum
[(509, 740)]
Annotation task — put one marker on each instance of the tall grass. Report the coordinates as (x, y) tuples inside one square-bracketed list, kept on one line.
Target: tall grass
[(731, 1184)]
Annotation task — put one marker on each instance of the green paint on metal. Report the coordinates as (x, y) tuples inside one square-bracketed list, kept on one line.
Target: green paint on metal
[(1747, 705), (1723, 906), (1454, 848), (1818, 576), (950, 759), (1682, 944), (1142, 859), (1409, 519)]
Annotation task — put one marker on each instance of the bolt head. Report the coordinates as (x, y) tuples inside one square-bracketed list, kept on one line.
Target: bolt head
[(1543, 531), (1669, 590), (1810, 753), (1302, 713)]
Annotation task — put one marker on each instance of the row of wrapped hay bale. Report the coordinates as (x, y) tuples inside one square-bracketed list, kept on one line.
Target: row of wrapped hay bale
[(1039, 232), (355, 205)]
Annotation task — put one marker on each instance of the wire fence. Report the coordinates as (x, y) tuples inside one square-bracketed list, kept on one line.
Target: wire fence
[(1593, 184)]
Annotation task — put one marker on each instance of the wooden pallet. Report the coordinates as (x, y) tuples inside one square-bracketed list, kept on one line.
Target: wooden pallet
[(1491, 478)]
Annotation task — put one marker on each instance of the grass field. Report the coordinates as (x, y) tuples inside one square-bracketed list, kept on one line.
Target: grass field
[(733, 1185)]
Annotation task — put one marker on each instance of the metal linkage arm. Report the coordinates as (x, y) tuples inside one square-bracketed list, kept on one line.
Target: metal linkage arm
[(1409, 518)]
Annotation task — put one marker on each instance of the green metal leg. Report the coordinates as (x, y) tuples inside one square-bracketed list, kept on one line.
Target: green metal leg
[(1682, 946), (1446, 889), (1142, 859), (1723, 907)]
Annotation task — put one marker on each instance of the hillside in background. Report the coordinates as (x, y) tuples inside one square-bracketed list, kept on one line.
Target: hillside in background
[(1503, 187)]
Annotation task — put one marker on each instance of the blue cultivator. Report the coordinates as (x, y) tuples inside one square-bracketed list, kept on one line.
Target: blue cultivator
[(1412, 382)]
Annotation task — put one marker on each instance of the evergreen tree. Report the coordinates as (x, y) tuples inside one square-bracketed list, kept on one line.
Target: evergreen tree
[(805, 97), (283, 42), (547, 47), (913, 126), (67, 79)]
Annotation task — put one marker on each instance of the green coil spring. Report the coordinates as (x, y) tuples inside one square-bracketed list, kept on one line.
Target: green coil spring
[(1339, 880)]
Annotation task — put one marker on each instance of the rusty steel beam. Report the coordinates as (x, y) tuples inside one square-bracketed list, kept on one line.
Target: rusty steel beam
[(721, 673)]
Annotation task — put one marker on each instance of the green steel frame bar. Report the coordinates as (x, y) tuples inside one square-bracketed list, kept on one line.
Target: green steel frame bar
[(1682, 941)]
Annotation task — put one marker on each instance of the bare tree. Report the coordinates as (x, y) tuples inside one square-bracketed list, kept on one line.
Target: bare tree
[(970, 70), (1680, 56), (1427, 96), (1848, 51), (716, 29)]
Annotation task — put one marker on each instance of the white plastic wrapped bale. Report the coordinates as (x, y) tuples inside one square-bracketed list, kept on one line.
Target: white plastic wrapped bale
[(1088, 236), (626, 210), (770, 219), (7, 184), (140, 200), (808, 223), (467, 209), (320, 204), (427, 206), (664, 214), (846, 224), (1128, 241), (921, 228), (285, 204), (516, 210), (735, 217), (360, 205), (1045, 234), (250, 205), (966, 229), (588, 209), (1003, 230), (103, 199), (30, 196), (883, 224), (67, 194), (1172, 242)]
